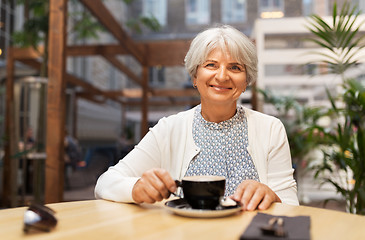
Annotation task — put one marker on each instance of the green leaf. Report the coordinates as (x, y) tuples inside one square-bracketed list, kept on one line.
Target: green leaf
[(344, 192), (151, 22), (128, 1)]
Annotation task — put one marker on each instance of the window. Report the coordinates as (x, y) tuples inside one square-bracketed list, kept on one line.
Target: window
[(157, 76), (157, 9), (197, 11), (360, 4), (233, 11), (271, 8), (307, 7)]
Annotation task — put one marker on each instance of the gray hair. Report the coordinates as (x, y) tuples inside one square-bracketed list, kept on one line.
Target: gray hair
[(227, 38)]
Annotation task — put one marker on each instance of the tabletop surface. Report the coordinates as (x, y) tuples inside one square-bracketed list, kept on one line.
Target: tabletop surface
[(100, 219)]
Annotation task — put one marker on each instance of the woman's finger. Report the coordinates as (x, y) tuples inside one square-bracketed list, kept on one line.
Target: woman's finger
[(266, 202), (139, 193), (167, 180), (247, 193), (256, 198), (153, 186)]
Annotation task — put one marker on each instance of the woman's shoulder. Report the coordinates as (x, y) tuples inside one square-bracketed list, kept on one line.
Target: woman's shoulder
[(177, 119), (174, 125), (259, 122), (253, 113), (259, 117), (183, 115)]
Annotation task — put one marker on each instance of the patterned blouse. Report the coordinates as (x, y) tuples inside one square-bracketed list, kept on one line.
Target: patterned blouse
[(223, 150)]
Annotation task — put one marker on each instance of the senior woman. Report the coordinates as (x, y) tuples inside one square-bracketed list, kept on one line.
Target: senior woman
[(217, 137)]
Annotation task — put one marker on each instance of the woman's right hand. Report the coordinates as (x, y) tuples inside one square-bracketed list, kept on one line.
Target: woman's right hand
[(154, 185)]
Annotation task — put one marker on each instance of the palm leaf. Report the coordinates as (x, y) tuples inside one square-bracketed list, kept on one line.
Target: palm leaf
[(345, 139)]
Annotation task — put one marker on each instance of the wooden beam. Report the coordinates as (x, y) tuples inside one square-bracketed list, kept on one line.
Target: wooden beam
[(91, 97), (137, 93), (98, 9), (109, 52), (175, 92), (162, 103), (89, 88), (70, 78), (167, 53), (164, 53), (27, 53), (56, 101), (75, 81), (115, 95), (118, 64), (82, 50), (128, 93), (32, 63)]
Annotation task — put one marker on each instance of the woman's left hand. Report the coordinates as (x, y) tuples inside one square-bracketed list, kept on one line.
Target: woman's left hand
[(253, 194)]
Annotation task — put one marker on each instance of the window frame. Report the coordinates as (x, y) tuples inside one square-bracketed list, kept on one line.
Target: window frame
[(202, 14), (159, 10), (229, 7), (271, 8)]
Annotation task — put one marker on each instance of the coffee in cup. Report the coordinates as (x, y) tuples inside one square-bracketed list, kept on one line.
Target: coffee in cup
[(203, 192)]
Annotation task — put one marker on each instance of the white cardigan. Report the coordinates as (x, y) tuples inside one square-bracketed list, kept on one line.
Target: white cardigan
[(170, 145)]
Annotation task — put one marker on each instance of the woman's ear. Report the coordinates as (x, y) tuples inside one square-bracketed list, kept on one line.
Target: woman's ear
[(194, 82), (245, 87)]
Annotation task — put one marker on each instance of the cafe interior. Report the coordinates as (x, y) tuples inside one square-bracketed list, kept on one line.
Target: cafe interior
[(97, 98)]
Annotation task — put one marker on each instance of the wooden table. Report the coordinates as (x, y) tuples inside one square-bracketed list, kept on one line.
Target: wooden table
[(99, 219)]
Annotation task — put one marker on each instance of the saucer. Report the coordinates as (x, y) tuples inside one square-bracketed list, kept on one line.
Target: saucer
[(182, 208)]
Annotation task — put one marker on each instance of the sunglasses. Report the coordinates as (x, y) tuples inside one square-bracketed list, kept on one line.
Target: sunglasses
[(39, 217)]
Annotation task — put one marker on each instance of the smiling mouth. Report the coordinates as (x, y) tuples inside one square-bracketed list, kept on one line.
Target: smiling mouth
[(220, 88)]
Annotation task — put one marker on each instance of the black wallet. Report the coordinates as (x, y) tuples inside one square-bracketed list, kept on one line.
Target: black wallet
[(265, 226)]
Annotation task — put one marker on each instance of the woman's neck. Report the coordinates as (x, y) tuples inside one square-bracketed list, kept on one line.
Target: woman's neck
[(217, 114)]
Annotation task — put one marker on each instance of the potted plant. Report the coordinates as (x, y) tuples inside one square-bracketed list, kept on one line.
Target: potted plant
[(343, 142)]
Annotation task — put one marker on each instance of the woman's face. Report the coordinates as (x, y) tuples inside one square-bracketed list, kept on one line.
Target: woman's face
[(220, 79)]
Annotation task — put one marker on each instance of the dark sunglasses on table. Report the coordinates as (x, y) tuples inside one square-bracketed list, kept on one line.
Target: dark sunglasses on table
[(39, 217)]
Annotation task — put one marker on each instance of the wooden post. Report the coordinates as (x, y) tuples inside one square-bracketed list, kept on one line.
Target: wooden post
[(10, 164), (145, 89), (254, 96), (123, 125), (144, 107), (74, 115), (56, 101)]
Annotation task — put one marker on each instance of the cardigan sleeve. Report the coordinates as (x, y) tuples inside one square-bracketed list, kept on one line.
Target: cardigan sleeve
[(269, 147), (168, 145), (117, 182), (279, 169)]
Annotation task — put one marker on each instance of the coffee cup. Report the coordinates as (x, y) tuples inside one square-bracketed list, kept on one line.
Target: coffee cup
[(202, 192)]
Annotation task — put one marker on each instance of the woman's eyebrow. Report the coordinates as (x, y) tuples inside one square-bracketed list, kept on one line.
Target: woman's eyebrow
[(236, 63), (210, 60), (232, 63)]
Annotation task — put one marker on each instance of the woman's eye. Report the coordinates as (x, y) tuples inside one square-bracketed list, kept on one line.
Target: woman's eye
[(236, 68), (210, 65)]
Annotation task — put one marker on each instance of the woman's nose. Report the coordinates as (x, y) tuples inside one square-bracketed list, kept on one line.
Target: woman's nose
[(222, 74)]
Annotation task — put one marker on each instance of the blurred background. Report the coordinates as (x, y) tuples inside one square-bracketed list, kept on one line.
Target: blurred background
[(297, 82)]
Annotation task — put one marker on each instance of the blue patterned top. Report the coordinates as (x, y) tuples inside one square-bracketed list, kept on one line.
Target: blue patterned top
[(223, 150)]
